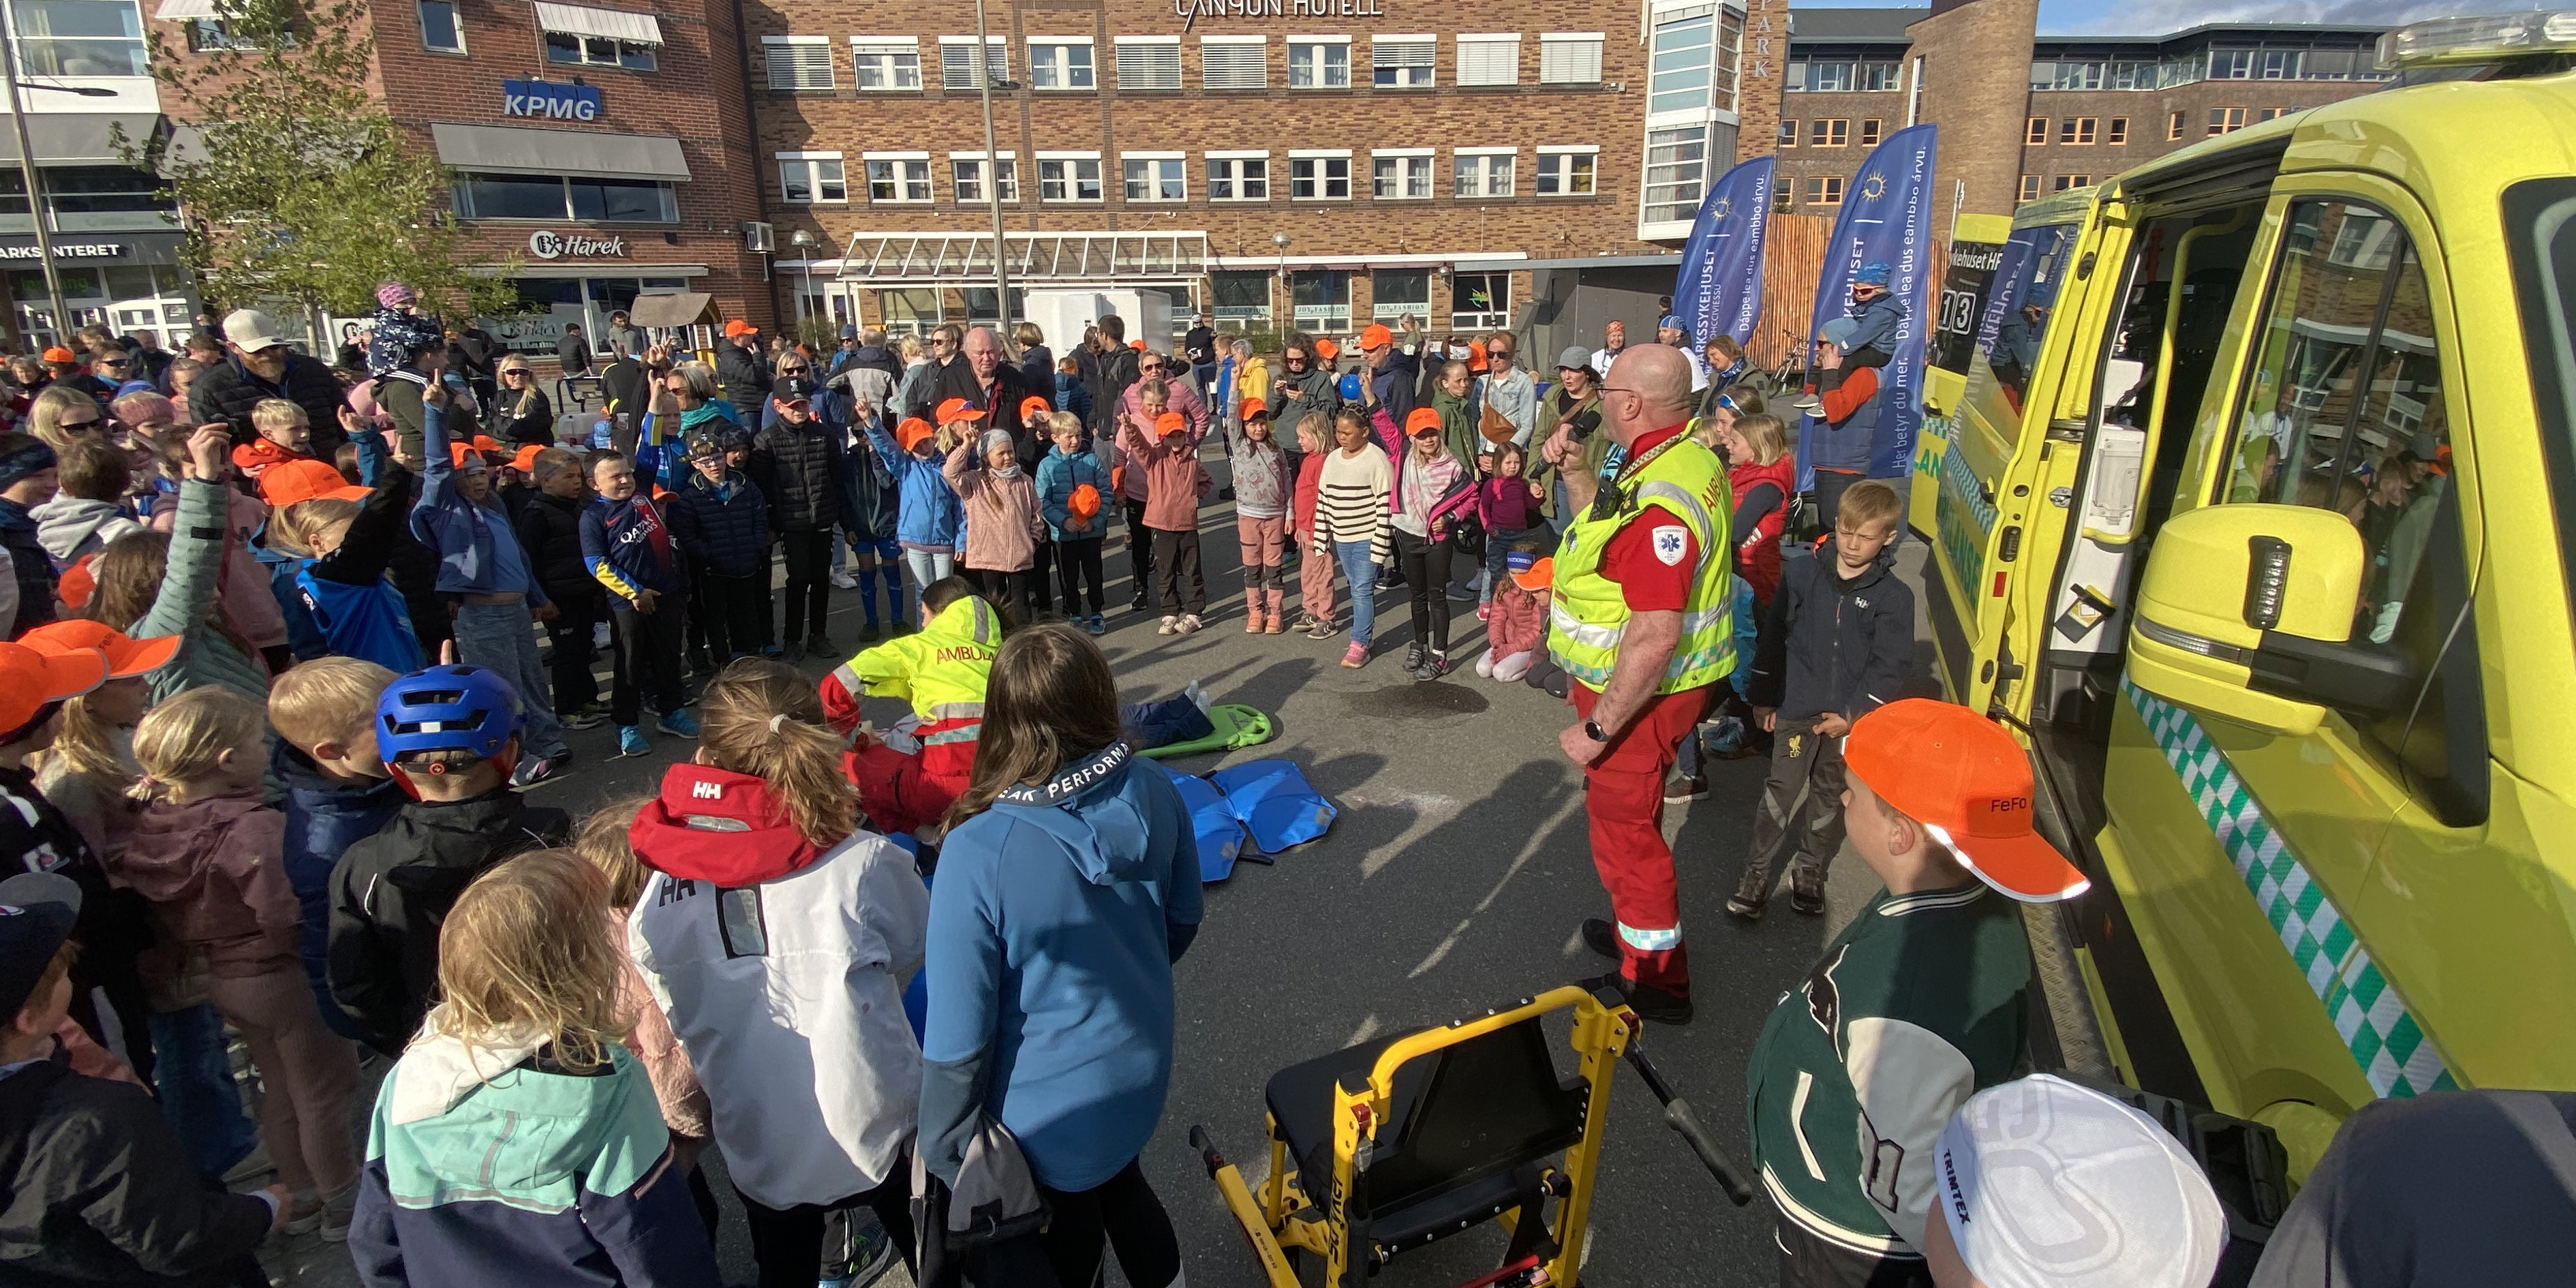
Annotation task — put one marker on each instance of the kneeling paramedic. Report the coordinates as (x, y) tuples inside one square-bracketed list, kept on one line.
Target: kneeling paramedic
[(941, 671)]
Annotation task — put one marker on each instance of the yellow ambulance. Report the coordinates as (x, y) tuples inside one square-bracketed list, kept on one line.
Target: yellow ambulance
[(2249, 486)]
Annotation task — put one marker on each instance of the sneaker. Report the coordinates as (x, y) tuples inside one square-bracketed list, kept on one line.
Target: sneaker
[(537, 770), (336, 1215), (1807, 891), (1683, 787), (1190, 622), (1095, 625), (772, 652), (700, 663), (795, 652), (678, 724), (254, 1165), (1170, 626), (630, 742), (589, 717), (868, 633), (820, 645), (898, 626), (1484, 612), (1323, 630), (303, 1213), (1356, 656), (1138, 603), (1807, 402), (845, 581), (1413, 658), (1434, 665), (1601, 937), (1752, 894), (599, 635), (1649, 1002)]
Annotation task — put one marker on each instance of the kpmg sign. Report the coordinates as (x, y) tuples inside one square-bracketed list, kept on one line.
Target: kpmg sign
[(550, 100)]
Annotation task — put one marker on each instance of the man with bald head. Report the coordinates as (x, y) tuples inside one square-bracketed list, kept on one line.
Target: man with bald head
[(1641, 625), (984, 376)]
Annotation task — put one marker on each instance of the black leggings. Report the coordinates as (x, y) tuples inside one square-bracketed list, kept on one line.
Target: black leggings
[(1123, 1210), (1140, 550), (737, 612), (1426, 575), (1023, 592), (787, 1243), (1077, 560), (809, 581)]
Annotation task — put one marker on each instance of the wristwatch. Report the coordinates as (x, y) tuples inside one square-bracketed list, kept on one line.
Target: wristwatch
[(1593, 732)]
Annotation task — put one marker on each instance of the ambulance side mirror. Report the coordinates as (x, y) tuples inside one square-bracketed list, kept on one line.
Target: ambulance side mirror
[(2246, 612)]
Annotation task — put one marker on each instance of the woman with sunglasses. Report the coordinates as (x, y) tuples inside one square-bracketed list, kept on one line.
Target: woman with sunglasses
[(523, 412)]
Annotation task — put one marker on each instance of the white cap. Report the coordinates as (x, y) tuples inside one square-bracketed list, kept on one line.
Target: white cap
[(251, 329), (2046, 1184)]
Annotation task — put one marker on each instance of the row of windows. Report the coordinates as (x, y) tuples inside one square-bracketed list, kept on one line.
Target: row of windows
[(1807, 76), (2078, 130), (551, 197), (442, 30), (2211, 64), (1068, 63), (2222, 120), (1831, 132), (2031, 184), (1154, 177)]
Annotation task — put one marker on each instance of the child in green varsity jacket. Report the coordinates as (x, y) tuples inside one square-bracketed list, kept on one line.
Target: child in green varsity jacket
[(1915, 1006)]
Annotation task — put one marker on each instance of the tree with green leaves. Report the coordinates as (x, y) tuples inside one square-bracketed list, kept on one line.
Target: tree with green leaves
[(298, 185)]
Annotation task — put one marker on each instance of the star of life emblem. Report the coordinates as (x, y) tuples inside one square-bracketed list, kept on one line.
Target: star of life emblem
[(1671, 541)]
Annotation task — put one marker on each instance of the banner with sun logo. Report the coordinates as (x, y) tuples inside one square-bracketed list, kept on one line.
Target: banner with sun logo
[(1885, 225), (1720, 288)]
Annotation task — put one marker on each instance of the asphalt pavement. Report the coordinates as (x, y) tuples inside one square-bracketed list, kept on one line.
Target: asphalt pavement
[(1452, 882)]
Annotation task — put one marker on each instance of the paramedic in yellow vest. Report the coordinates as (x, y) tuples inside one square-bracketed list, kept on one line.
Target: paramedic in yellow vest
[(940, 670), (1639, 622)]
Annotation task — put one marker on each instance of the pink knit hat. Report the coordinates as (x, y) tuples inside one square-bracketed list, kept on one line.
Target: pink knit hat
[(394, 295)]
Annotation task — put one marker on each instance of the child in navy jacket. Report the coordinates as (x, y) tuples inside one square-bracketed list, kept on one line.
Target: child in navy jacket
[(628, 548), (722, 524)]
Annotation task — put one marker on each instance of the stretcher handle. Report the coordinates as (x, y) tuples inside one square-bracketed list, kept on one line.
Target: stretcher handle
[(1208, 1154), (1678, 1116)]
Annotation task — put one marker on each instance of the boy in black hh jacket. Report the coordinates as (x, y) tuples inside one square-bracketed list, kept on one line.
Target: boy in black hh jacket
[(95, 1187), (1834, 648)]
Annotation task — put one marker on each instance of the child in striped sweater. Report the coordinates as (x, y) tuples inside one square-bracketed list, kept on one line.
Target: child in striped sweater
[(1353, 522)]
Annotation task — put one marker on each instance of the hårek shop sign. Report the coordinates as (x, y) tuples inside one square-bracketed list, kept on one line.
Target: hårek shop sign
[(1190, 11)]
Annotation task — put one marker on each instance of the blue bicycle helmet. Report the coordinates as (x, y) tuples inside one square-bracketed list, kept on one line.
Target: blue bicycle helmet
[(1351, 386), (447, 708)]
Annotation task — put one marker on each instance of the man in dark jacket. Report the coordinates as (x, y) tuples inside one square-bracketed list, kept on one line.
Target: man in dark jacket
[(993, 387), (1200, 344), (625, 389), (98, 1188), (572, 350), (741, 370), (797, 464), (1112, 372), (261, 366), (623, 331), (1836, 646), (478, 357), (871, 352)]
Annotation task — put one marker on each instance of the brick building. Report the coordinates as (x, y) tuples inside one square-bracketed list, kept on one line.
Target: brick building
[(2089, 108), (606, 150), (1317, 163)]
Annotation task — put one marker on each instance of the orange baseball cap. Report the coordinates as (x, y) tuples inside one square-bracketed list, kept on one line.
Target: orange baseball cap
[(911, 432), (1376, 336), (740, 327), (1033, 407), (461, 455), (288, 482), (1327, 350), (1421, 420), (1170, 422), (79, 582), (126, 656), (956, 409), (526, 460), (1969, 784), (1475, 355), (1137, 345), (1253, 407), (1085, 501), (30, 678), (59, 355)]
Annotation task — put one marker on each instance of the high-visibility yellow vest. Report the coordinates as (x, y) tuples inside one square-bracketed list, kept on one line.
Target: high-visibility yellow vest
[(941, 670), (1587, 616)]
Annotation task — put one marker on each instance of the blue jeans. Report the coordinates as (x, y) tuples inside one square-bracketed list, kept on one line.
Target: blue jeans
[(927, 566), (1361, 572), (1498, 547), (195, 1080), (503, 638)]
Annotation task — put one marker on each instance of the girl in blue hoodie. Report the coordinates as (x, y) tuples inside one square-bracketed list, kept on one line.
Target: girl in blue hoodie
[(928, 516), (1055, 981)]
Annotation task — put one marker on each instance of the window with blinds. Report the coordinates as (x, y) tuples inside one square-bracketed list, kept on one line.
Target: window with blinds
[(798, 62), (1399, 62), (1149, 64), (1489, 60), (1570, 58), (957, 61), (1234, 64)]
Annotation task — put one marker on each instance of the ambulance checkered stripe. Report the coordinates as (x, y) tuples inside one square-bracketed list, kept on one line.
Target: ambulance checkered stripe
[(2384, 1038)]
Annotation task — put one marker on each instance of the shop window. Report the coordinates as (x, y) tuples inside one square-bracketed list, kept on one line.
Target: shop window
[(82, 198), (442, 30), (1489, 60), (1322, 300), (1676, 174), (1480, 302), (885, 63), (1149, 62), (967, 176), (958, 63), (2225, 120), (1155, 178), (909, 312), (623, 201), (2030, 187), (1824, 132), (898, 180), (2036, 133), (1398, 293), (812, 178), (1237, 177), (1061, 64), (2078, 129), (582, 198), (1316, 62), (1484, 174), (1401, 176), (571, 49), (1566, 172), (798, 62), (1240, 298), (1869, 131), (1234, 62), (1069, 179), (2118, 133), (1825, 190), (1569, 58), (1403, 62)]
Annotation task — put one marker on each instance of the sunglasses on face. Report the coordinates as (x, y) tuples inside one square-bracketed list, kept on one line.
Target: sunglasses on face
[(76, 425)]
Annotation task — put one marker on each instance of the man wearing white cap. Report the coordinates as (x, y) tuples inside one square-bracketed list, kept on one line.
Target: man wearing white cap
[(1915, 1006), (2045, 1184)]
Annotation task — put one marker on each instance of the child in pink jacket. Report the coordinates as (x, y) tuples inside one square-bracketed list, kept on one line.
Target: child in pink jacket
[(1516, 632), (1003, 526), (1163, 448)]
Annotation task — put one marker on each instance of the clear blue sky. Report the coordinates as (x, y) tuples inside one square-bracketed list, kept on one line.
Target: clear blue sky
[(2147, 17)]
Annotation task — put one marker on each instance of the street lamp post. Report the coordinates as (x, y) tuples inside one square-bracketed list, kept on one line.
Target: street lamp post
[(803, 241), (993, 173), (27, 167), (1287, 297)]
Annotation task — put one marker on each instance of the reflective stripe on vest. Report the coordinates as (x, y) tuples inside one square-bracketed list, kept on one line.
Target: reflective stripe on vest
[(1588, 616), (961, 733)]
